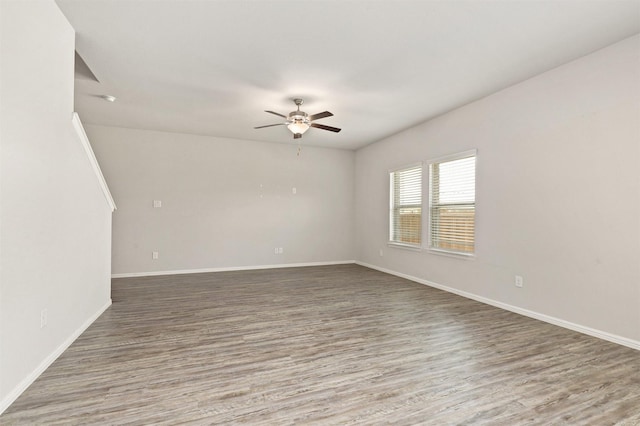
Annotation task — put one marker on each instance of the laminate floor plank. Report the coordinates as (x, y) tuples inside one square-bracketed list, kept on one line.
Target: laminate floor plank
[(330, 345)]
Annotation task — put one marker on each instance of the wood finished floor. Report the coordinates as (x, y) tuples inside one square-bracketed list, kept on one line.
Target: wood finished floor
[(325, 345)]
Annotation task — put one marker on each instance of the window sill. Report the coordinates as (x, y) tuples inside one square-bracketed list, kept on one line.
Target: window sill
[(465, 256), (456, 255), (404, 246)]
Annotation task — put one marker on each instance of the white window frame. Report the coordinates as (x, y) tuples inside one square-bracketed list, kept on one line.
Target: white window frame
[(430, 246), (392, 242)]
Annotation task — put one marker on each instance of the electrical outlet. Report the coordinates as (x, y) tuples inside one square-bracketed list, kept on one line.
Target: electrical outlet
[(43, 318), (381, 253), (154, 255), (519, 281), (157, 204)]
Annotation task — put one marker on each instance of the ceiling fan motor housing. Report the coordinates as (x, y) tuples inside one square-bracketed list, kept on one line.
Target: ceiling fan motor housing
[(299, 117)]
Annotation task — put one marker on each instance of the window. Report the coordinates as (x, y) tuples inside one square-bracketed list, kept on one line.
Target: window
[(452, 203), (406, 206)]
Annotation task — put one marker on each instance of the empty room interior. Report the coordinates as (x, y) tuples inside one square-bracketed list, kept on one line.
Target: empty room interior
[(320, 212)]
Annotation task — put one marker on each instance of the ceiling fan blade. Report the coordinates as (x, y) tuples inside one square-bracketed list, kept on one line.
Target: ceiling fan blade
[(320, 115), (276, 113), (323, 127), (269, 125)]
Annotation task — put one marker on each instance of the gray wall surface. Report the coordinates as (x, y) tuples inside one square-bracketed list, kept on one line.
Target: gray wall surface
[(225, 203), (55, 245)]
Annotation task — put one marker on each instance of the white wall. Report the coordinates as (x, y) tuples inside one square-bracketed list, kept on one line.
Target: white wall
[(558, 194), (55, 222), (225, 203)]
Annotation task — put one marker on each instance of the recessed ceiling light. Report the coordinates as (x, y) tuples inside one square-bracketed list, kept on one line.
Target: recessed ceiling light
[(108, 98)]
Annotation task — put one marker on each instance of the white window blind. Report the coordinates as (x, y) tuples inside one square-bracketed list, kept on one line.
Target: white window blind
[(406, 206), (452, 203)]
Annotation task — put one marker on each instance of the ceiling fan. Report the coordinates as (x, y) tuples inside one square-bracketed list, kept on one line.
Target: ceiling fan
[(299, 121)]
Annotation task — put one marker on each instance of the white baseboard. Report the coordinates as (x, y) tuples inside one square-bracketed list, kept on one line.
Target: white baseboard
[(633, 344), (231, 268), (27, 381)]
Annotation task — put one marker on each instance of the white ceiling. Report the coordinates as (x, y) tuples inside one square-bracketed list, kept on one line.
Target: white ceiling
[(213, 67)]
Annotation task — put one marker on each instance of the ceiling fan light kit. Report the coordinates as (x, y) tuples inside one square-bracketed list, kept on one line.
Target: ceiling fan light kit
[(299, 122)]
